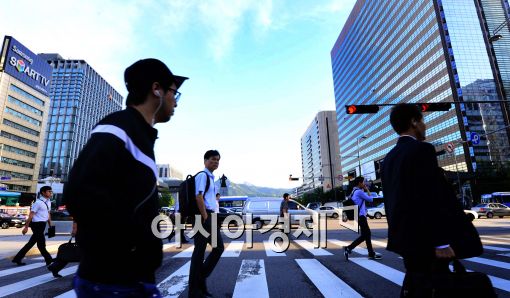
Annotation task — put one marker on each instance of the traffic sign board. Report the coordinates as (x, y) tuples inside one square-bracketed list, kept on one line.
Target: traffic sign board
[(449, 147), (340, 177), (475, 138)]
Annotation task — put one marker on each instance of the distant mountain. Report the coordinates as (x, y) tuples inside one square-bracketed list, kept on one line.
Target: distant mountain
[(250, 190)]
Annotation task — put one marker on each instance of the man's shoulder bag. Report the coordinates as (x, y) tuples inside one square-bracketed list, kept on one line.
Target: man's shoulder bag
[(69, 252)]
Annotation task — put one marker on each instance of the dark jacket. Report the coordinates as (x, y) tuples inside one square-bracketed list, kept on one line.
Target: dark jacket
[(418, 218), (112, 195)]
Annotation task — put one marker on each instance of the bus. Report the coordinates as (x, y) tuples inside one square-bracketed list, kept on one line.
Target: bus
[(502, 197), (15, 203), (232, 201)]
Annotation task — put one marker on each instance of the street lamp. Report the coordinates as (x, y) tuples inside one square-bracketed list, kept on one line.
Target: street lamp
[(495, 36), (359, 160)]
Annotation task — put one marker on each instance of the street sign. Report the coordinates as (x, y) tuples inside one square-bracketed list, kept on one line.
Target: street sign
[(340, 177), (475, 138), (449, 147)]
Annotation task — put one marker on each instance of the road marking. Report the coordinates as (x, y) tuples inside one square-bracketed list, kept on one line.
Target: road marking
[(359, 250), (42, 258), (19, 269), (326, 281), (185, 253), (34, 281), (387, 272), (309, 246), (489, 247), (176, 283), (233, 250), (488, 262), (497, 238), (169, 245), (68, 294), (496, 241), (379, 243), (270, 252), (251, 280)]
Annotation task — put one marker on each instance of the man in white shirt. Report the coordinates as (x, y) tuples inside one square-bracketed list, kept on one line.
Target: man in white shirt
[(206, 201), (39, 215)]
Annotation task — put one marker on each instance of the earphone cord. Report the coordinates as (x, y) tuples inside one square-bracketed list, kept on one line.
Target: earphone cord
[(157, 110)]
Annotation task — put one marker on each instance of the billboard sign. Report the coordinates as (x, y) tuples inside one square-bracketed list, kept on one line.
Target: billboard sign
[(26, 66)]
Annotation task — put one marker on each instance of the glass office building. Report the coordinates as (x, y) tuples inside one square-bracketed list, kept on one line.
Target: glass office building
[(80, 97), (399, 51)]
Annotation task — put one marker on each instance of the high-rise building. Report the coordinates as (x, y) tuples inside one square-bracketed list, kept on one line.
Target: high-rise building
[(320, 153), (80, 97), (166, 171), (24, 101), (399, 51)]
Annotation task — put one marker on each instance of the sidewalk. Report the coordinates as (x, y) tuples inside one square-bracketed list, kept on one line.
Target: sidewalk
[(11, 240)]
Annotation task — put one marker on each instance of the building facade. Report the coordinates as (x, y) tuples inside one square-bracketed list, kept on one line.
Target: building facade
[(80, 97), (320, 153), (166, 171), (399, 51), (24, 106)]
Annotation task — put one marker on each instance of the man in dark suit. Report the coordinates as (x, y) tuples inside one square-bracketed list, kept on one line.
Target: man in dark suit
[(410, 181)]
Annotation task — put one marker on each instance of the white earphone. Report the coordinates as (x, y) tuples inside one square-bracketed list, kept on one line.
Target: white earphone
[(156, 92)]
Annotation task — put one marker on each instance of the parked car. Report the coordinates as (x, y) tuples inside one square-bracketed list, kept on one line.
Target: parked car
[(270, 207), (376, 212), (237, 210), (491, 209), (334, 204), (7, 221), (314, 205), (330, 211), (224, 212), (471, 214), (60, 215)]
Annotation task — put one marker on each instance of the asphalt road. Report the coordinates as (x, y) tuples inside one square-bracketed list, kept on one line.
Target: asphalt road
[(301, 271)]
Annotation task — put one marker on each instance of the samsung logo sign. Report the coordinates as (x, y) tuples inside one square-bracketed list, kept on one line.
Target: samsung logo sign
[(22, 67), (25, 56)]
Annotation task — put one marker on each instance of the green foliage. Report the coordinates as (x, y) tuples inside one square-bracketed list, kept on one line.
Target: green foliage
[(165, 199), (318, 195)]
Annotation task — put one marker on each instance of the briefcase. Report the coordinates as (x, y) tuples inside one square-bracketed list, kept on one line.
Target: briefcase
[(51, 231), (458, 283), (69, 252)]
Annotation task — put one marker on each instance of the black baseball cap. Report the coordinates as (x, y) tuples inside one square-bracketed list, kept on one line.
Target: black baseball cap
[(141, 74)]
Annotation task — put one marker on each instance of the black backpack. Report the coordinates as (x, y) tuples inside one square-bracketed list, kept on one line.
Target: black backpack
[(187, 198), (350, 202)]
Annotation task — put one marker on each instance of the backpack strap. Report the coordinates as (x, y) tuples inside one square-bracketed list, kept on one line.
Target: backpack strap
[(207, 183)]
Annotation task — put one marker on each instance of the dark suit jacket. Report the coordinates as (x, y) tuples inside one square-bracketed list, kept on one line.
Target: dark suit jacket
[(418, 219)]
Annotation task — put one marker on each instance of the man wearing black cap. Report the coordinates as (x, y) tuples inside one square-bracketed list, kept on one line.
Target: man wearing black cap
[(115, 175)]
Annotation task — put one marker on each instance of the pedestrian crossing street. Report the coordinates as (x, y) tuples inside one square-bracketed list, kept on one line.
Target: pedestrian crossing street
[(314, 264)]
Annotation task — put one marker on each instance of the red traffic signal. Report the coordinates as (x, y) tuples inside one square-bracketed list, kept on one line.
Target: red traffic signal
[(435, 106), (361, 109)]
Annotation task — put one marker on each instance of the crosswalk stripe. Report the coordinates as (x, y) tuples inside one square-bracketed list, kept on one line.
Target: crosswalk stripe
[(489, 247), (251, 280), (309, 246), (496, 241), (379, 243), (233, 250), (497, 238), (169, 245), (68, 294), (326, 281), (270, 252), (387, 272), (185, 253), (489, 262), (21, 268), (358, 250), (34, 281), (176, 283), (504, 255)]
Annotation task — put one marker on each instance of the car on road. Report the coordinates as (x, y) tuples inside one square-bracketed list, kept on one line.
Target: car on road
[(314, 205), (376, 212), (266, 209), (237, 210), (491, 209), (224, 212), (7, 221), (472, 215), (329, 211)]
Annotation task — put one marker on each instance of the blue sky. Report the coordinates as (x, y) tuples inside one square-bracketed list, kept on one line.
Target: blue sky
[(259, 70)]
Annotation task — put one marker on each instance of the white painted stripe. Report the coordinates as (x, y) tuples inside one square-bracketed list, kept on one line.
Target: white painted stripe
[(68, 294), (379, 243), (175, 284), (488, 262), (326, 282), (233, 250), (358, 250), (504, 255), (489, 247), (34, 281), (129, 145), (169, 245), (495, 241), (309, 246), (251, 281), (507, 240), (19, 269), (270, 252), (380, 269), (42, 258), (185, 253)]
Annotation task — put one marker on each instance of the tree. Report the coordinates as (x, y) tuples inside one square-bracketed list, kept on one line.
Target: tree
[(165, 199)]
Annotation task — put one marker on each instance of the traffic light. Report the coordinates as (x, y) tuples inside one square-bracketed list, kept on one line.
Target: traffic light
[(435, 106), (361, 109)]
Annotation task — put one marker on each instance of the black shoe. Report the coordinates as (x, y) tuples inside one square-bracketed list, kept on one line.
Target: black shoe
[(204, 290), (53, 270), (347, 251), (375, 256), (19, 263)]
